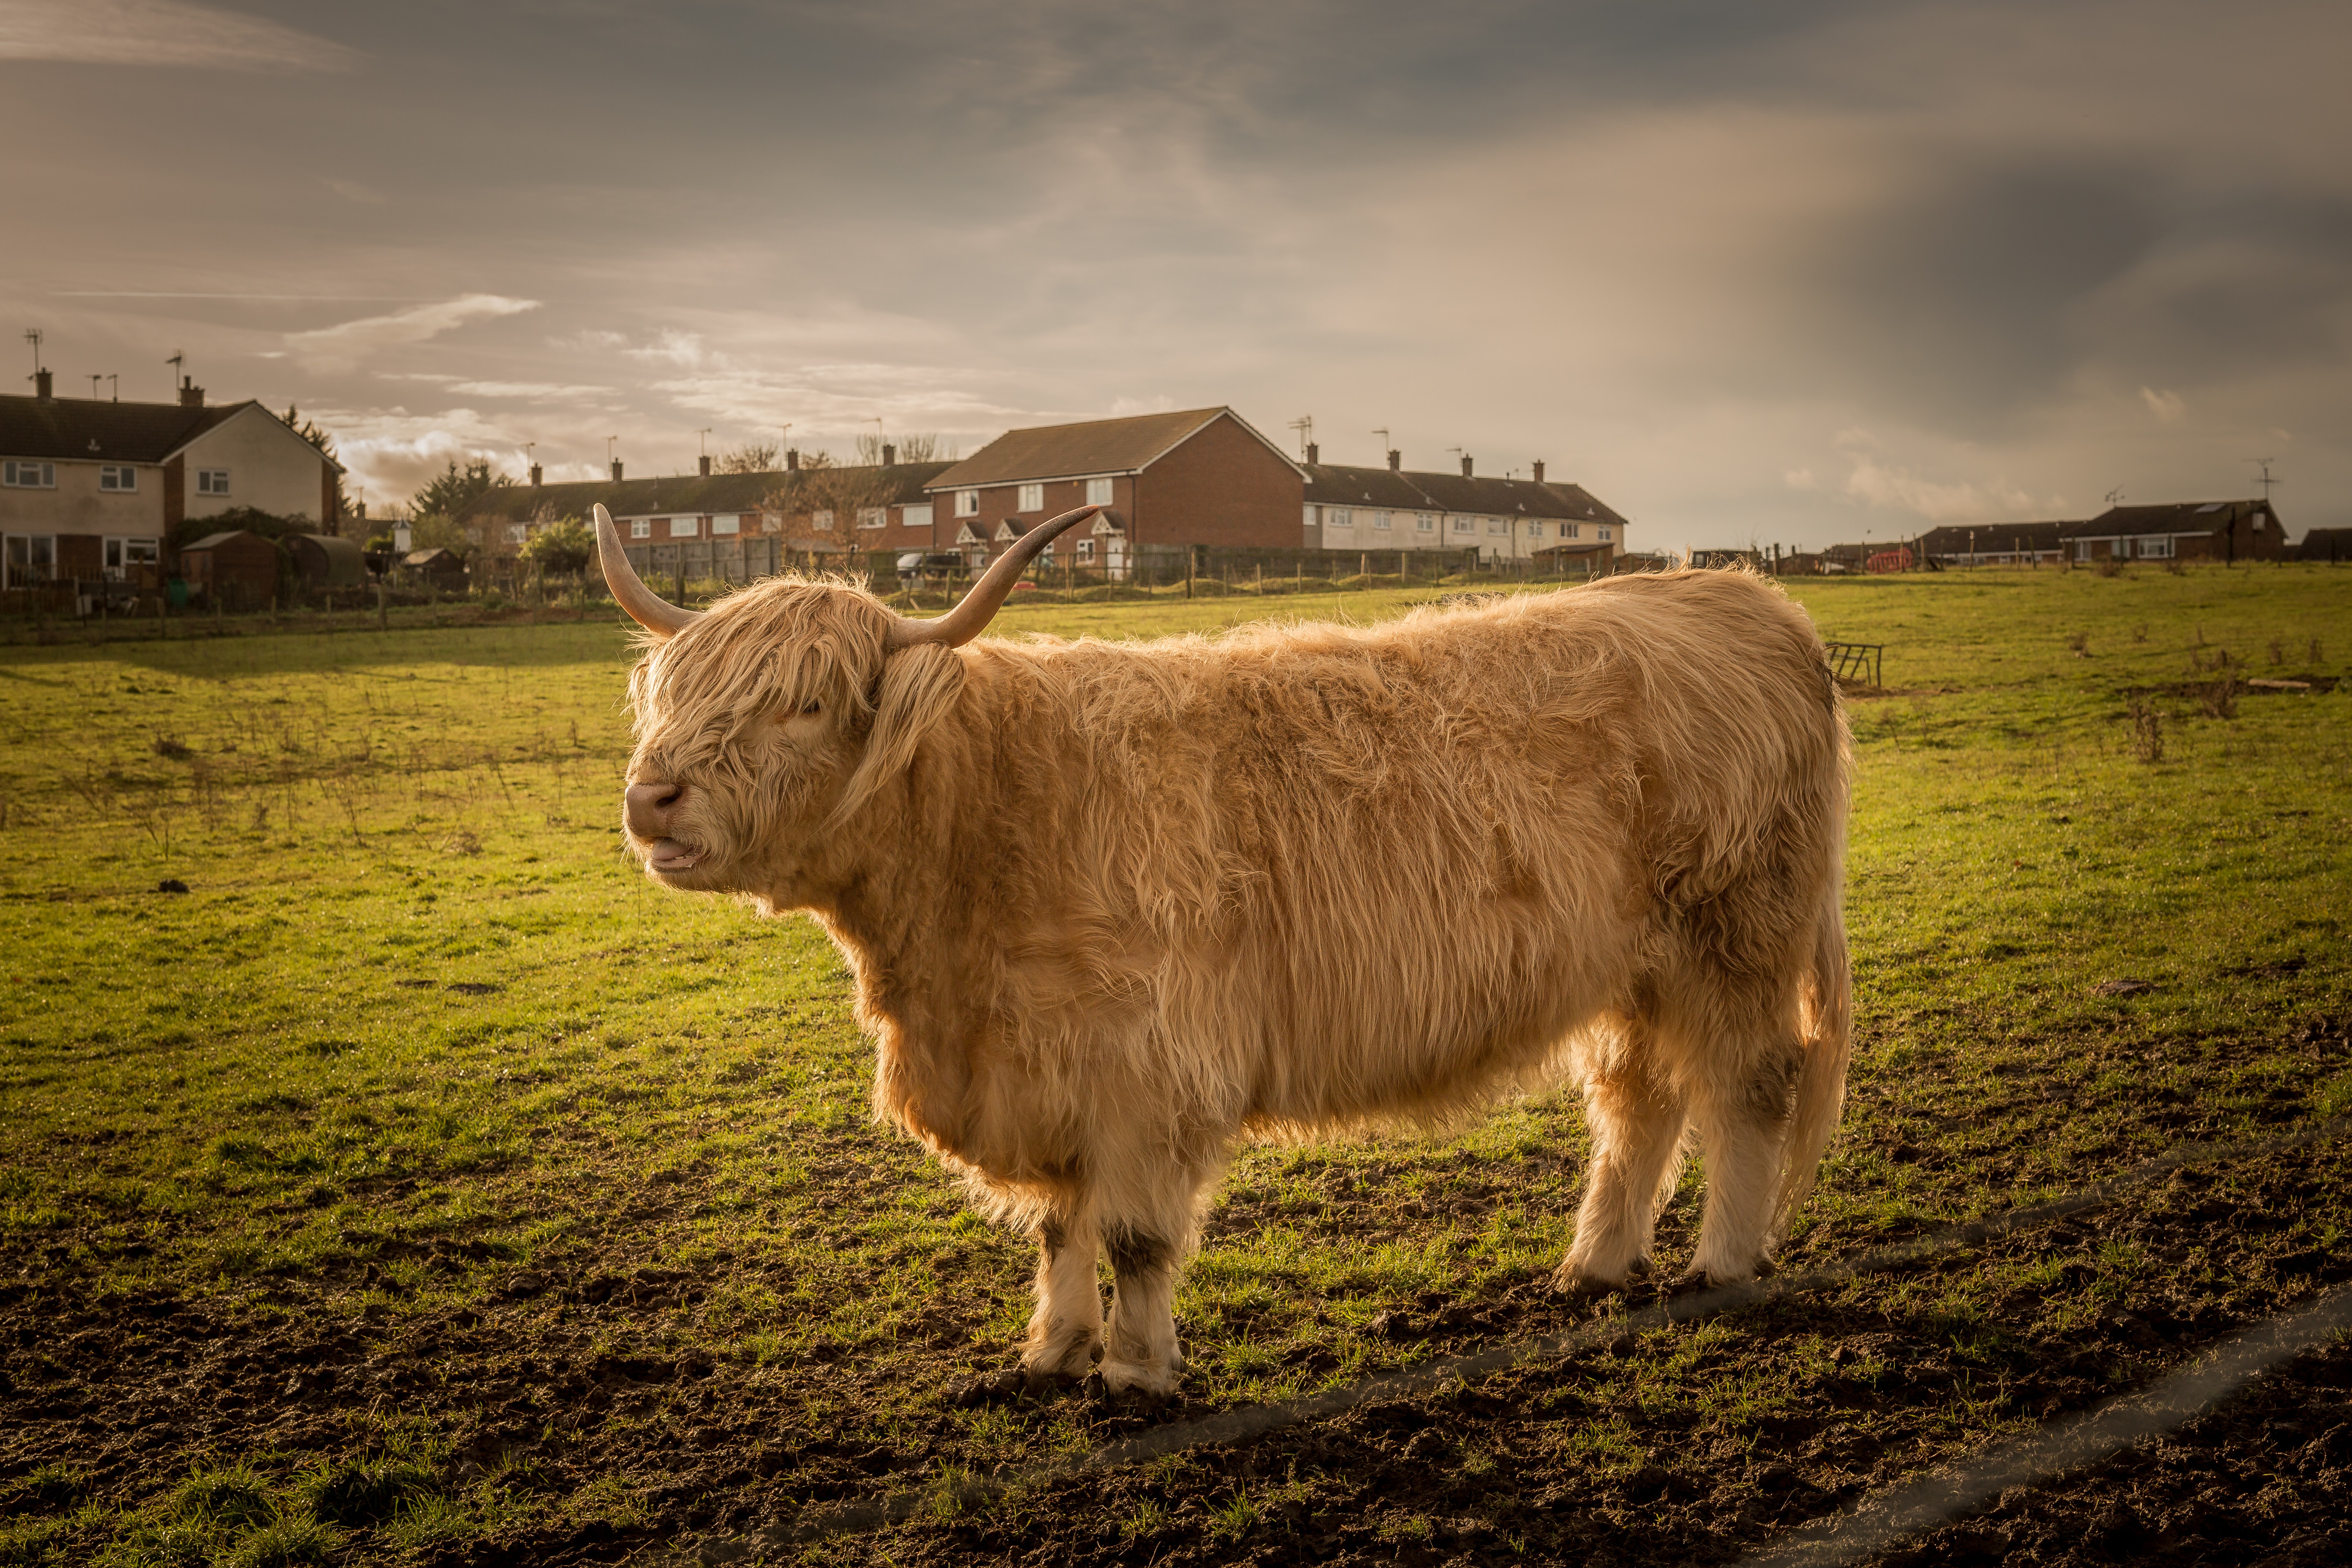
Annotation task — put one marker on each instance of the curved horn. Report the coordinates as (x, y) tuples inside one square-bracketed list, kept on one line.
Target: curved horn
[(977, 608), (645, 606)]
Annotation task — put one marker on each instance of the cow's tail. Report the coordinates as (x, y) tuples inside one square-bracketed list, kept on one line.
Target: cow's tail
[(1828, 1022)]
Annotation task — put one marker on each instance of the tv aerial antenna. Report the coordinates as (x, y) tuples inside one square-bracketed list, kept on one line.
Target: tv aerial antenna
[(2264, 479), (1305, 427), (33, 336)]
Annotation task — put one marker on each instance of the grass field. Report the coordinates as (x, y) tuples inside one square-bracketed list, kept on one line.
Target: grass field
[(420, 1184)]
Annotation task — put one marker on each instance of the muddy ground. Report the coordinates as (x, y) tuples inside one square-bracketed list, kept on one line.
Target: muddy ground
[(1692, 1444)]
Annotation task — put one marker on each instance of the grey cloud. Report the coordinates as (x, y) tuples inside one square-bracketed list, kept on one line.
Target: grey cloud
[(1959, 292), (170, 33)]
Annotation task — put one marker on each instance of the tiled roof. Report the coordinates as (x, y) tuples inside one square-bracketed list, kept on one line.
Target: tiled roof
[(1095, 447), (1952, 538), (691, 494), (1331, 484), (91, 431), (2174, 517)]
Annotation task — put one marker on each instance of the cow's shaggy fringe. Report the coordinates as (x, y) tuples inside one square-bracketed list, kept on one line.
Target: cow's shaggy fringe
[(1112, 905)]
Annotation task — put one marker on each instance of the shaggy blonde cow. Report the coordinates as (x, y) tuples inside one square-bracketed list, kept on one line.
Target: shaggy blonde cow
[(1111, 907)]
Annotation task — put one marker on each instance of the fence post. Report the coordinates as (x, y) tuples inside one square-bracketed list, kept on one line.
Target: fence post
[(382, 607)]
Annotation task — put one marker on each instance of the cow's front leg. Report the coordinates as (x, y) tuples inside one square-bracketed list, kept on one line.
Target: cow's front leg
[(1143, 1357), (1065, 1331)]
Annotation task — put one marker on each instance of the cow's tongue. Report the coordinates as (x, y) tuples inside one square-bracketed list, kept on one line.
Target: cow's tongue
[(669, 855)]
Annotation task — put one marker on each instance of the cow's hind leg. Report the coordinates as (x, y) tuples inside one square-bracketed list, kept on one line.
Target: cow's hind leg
[(1065, 1334), (1634, 1118), (1742, 1107)]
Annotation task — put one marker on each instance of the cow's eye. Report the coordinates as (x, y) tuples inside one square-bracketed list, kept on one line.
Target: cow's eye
[(809, 709)]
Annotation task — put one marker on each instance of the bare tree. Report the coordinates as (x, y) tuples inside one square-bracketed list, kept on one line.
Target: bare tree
[(753, 457), (824, 504), (923, 447)]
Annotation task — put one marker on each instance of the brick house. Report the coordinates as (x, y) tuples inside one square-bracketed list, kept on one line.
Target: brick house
[(2183, 531), (1203, 476), (1507, 519), (92, 492), (826, 511), (2333, 545)]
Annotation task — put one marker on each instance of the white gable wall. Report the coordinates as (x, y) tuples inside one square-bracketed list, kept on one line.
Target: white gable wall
[(270, 468)]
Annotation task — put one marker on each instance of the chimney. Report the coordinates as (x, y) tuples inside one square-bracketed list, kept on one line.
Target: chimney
[(534, 476), (191, 395), (41, 385), (616, 470), (706, 465), (1465, 465), (1314, 453), (1396, 460), (890, 456), (1538, 470), (793, 461)]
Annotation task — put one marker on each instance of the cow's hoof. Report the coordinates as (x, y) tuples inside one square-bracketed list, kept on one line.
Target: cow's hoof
[(1579, 1285), (1695, 1279), (1134, 1383)]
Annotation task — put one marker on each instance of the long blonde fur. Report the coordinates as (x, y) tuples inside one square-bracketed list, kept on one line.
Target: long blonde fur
[(1111, 906)]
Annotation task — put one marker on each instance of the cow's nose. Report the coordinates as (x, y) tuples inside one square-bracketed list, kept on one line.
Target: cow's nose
[(646, 808)]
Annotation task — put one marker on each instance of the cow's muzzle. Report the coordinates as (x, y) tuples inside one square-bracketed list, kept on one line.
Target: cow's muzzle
[(648, 809)]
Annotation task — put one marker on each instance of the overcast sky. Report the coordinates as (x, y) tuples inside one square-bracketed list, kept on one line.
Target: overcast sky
[(1783, 273)]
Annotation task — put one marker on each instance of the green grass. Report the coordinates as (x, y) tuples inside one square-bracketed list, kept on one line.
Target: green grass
[(421, 1070)]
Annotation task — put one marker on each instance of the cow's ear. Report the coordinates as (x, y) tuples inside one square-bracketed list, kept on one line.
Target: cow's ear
[(918, 685)]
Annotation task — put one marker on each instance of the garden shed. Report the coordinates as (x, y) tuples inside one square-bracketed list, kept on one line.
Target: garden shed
[(436, 568), (236, 569), (323, 561)]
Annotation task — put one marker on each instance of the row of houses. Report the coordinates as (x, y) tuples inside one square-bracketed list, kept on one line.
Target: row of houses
[(1171, 481), (2224, 531), (94, 490)]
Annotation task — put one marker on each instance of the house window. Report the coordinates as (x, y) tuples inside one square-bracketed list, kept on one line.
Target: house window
[(212, 481), (1340, 517), (32, 558), (822, 520), (1381, 522), (2157, 549), (1098, 493), (685, 528), (915, 516), (720, 526), (1574, 531), (641, 528), (967, 503), (1461, 525), (123, 556), (117, 477), (1498, 525), (770, 523), (1032, 499), (516, 532), (1604, 532), (872, 516), (31, 476), (1424, 524), (1535, 530), (1085, 551), (1314, 513)]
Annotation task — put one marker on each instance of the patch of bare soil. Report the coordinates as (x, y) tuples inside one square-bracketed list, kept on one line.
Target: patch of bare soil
[(1630, 1454), (2263, 1479), (1680, 1446)]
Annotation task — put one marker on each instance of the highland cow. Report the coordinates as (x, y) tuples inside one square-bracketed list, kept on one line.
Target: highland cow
[(1112, 906)]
